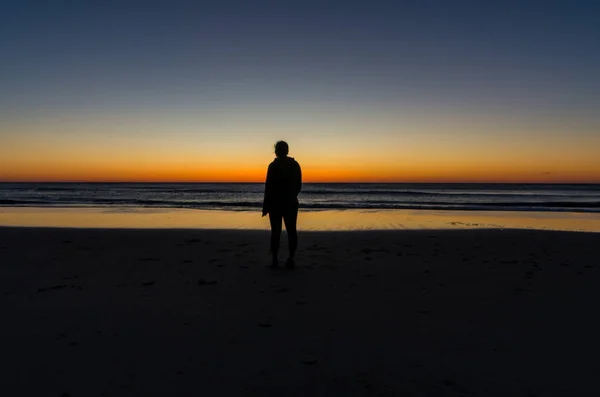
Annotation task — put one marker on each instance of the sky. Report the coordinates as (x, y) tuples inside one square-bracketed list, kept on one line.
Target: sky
[(369, 91)]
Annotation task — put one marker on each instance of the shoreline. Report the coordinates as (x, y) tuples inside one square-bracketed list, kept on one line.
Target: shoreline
[(580, 209), (327, 220), (265, 232)]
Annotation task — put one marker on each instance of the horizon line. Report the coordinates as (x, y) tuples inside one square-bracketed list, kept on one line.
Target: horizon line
[(317, 182)]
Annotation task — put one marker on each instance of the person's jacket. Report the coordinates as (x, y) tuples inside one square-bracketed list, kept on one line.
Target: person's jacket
[(284, 182)]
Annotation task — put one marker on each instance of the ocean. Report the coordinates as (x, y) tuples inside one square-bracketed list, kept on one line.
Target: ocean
[(314, 196)]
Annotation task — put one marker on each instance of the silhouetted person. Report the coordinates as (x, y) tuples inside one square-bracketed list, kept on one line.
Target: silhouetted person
[(284, 181)]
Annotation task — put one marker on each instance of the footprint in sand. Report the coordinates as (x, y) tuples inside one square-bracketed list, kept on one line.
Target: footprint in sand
[(148, 259), (309, 361), (365, 275), (203, 282), (52, 288)]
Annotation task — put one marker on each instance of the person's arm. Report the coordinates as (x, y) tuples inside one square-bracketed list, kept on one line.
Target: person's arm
[(298, 179), (267, 196)]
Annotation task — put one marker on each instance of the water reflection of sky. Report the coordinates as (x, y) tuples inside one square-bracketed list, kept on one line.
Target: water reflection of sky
[(318, 221)]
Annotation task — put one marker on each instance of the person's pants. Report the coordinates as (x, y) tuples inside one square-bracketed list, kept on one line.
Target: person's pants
[(290, 217)]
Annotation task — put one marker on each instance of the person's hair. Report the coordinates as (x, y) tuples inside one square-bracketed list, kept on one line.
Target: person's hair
[(281, 149)]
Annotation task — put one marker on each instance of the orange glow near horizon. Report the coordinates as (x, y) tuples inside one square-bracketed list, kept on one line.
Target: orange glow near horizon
[(34, 153), (312, 172)]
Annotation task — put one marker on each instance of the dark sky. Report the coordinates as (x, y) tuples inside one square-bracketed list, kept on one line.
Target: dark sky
[(383, 50)]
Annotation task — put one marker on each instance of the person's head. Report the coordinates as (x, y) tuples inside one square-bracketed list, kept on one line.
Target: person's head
[(281, 149)]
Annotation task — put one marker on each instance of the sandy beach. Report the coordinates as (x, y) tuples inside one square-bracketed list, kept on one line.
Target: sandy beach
[(107, 312)]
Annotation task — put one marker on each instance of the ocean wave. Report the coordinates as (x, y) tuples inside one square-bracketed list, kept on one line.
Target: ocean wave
[(358, 190), (454, 195), (358, 205)]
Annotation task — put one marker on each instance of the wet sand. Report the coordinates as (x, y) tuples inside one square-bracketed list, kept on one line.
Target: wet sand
[(330, 220), (92, 312)]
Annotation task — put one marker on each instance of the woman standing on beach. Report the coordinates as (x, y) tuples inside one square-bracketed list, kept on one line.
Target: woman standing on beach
[(284, 182)]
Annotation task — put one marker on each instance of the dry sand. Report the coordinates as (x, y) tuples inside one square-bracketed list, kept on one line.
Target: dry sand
[(398, 313)]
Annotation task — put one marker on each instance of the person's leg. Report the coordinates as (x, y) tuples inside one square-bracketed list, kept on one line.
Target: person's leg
[(275, 220), (290, 218)]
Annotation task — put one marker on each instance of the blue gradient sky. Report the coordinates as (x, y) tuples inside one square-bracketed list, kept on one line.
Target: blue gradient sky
[(428, 90)]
